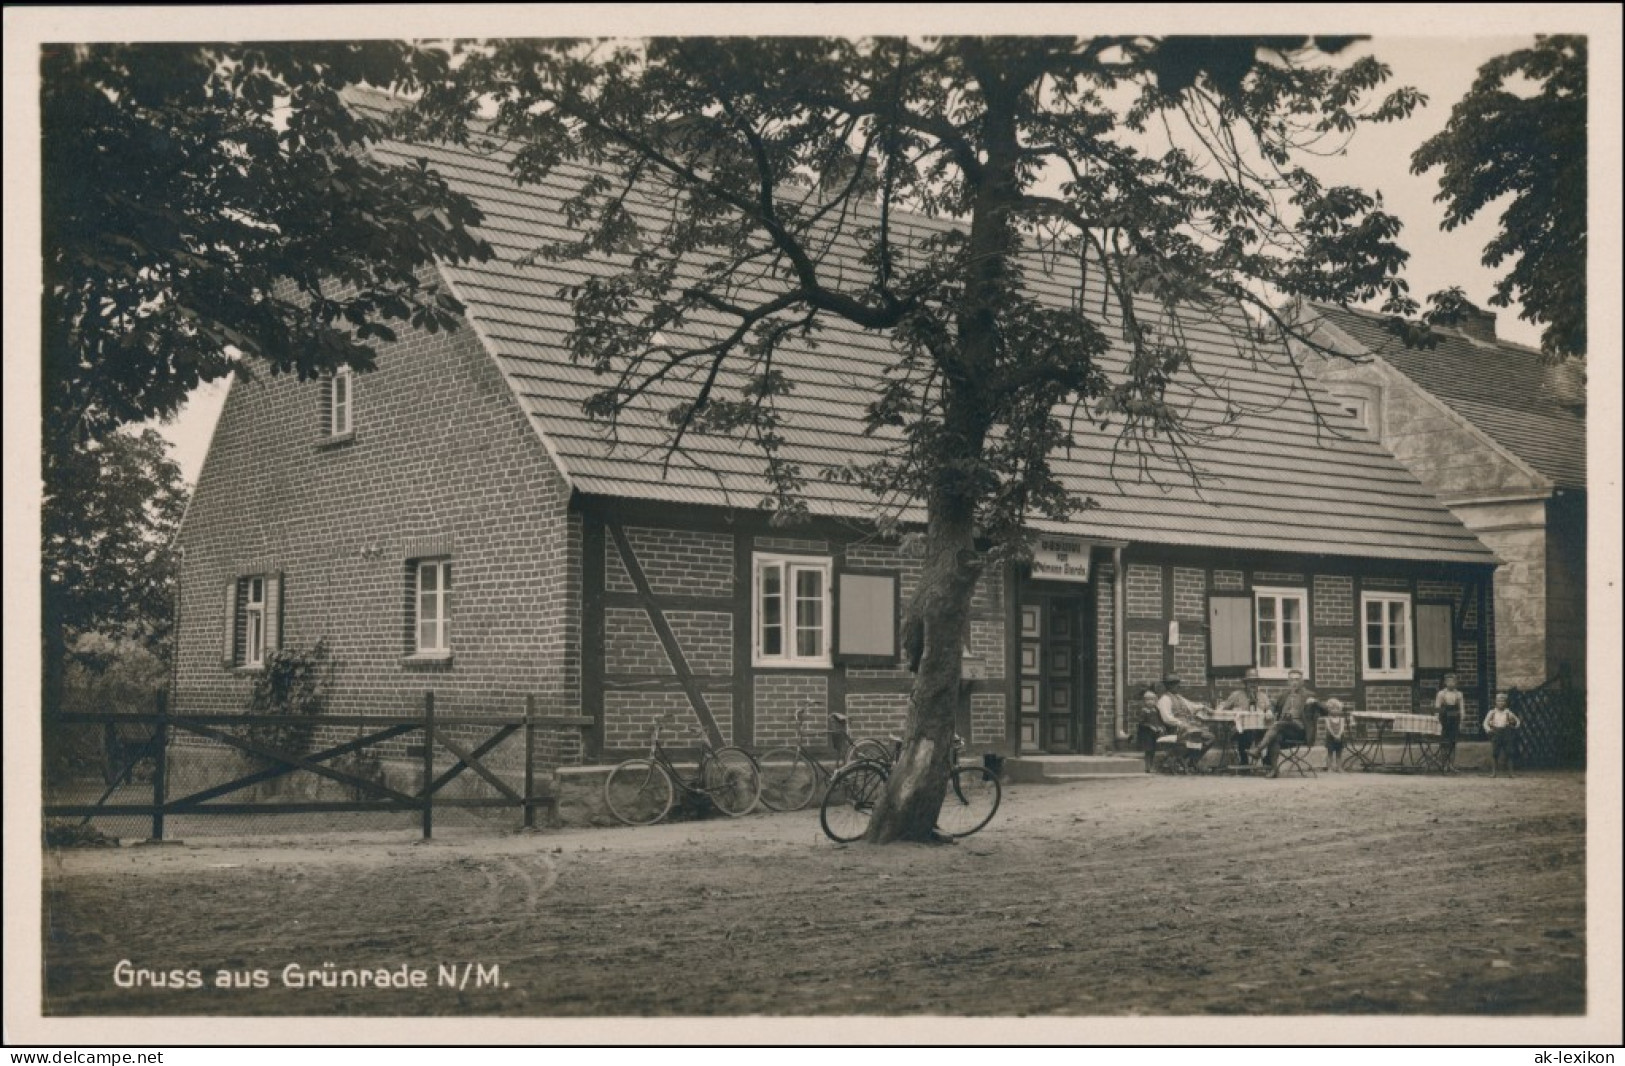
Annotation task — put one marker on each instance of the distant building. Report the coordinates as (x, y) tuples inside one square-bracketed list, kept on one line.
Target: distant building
[(1498, 433)]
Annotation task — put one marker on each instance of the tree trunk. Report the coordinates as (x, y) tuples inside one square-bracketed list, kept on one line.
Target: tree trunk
[(918, 781), (919, 778)]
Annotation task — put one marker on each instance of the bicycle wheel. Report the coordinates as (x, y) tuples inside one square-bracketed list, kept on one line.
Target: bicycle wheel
[(638, 792), (730, 778), (789, 779), (852, 796), (871, 751), (972, 798)]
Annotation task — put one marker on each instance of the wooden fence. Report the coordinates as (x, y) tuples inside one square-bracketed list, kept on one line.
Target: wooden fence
[(152, 742)]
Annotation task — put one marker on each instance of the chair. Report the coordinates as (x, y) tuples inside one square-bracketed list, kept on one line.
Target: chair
[(1295, 753), (1181, 753)]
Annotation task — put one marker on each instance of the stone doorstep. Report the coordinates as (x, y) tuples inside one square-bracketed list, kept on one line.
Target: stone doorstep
[(1053, 769)]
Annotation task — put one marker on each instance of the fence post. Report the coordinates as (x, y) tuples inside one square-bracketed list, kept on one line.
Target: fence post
[(530, 762), (160, 768), (428, 764)]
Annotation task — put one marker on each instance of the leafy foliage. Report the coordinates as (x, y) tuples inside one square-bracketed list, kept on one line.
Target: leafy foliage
[(107, 574), (294, 685), (1519, 135), (208, 203)]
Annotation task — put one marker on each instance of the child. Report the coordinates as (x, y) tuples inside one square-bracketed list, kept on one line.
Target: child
[(1448, 707), (1501, 724), (1336, 729), (1150, 726)]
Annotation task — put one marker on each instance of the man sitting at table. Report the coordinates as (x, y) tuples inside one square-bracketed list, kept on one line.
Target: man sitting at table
[(1292, 710), (1179, 714), (1247, 698)]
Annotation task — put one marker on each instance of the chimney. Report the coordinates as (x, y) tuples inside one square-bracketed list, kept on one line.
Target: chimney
[(1566, 383), (1477, 324)]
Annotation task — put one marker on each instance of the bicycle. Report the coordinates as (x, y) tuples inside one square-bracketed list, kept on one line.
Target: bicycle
[(969, 804), (792, 776), (641, 791)]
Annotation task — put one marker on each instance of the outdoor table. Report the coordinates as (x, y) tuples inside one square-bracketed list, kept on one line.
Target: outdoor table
[(1226, 724), (1365, 746)]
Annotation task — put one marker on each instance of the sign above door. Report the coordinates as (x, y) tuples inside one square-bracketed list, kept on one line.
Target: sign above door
[(1061, 559)]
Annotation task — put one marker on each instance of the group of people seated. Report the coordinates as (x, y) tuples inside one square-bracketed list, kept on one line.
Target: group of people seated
[(1169, 713), (1291, 718)]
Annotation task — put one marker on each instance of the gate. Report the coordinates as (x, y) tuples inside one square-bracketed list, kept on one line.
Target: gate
[(149, 741), (1553, 733)]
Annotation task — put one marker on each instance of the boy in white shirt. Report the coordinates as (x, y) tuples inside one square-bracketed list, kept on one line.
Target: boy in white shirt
[(1502, 725)]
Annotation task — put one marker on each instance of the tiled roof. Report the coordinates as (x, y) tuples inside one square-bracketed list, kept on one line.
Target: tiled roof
[(1272, 482), (1504, 389)]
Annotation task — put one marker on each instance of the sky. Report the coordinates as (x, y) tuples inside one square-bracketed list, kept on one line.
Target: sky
[(1377, 159)]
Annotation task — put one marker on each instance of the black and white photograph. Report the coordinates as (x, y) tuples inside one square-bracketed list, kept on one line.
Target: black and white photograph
[(900, 525)]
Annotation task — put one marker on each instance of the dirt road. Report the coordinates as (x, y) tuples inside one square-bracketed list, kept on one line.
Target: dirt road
[(1341, 894)]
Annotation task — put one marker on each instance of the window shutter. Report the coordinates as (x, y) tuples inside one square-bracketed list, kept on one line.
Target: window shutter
[(273, 612), (1435, 644), (228, 652), (866, 618), (1230, 631)]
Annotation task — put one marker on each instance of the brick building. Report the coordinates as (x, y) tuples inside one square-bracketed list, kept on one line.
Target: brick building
[(452, 522), (1498, 434)]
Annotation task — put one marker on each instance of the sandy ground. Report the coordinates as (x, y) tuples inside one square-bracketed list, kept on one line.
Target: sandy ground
[(1341, 894)]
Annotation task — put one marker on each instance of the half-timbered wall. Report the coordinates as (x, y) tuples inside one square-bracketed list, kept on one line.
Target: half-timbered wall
[(1165, 586), (667, 623)]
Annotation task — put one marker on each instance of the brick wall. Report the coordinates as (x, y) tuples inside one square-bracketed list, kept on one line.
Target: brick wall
[(1106, 658), (1228, 581), (776, 697), (1144, 660), (629, 716), (876, 714), (706, 638), (1333, 596), (1144, 591), (441, 455), (1332, 665), (631, 645), (986, 718), (1389, 698), (791, 545), (1190, 593), (675, 562)]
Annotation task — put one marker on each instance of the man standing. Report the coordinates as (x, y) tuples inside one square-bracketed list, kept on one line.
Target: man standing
[(1247, 698), (1292, 710)]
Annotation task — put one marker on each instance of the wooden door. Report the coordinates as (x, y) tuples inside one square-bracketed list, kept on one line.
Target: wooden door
[(1053, 674)]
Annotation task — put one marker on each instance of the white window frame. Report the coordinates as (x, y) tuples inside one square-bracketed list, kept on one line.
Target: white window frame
[(439, 646), (1405, 671), (1279, 671), (341, 415), (789, 566), (253, 611)]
